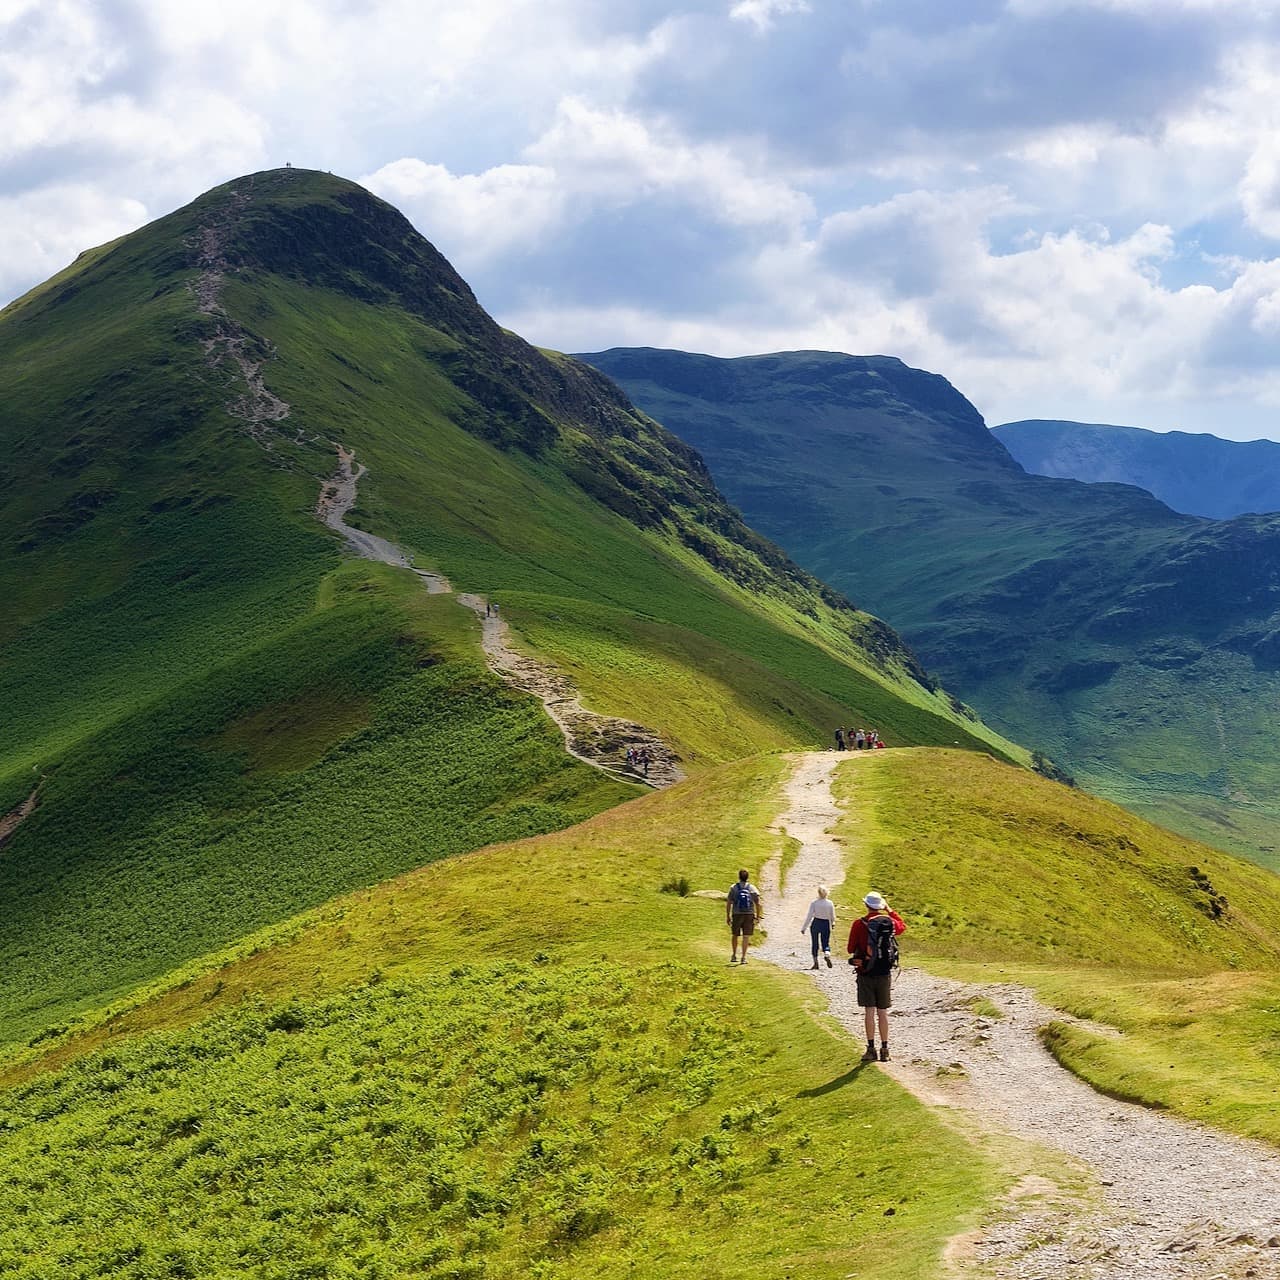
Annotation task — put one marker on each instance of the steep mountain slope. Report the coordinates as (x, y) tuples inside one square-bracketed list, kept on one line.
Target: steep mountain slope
[(213, 719), (1199, 475), (1137, 646)]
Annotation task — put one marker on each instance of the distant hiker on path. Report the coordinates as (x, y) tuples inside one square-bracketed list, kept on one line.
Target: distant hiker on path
[(742, 911), (822, 915), (839, 739), (873, 951)]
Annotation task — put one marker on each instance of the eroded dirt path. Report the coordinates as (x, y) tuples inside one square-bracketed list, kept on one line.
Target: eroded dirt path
[(601, 741), (258, 407), (11, 821), (337, 497), (1164, 1197), (597, 740)]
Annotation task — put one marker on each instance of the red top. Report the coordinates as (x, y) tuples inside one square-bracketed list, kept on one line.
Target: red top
[(859, 942)]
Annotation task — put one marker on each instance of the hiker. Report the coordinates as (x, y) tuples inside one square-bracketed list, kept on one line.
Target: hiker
[(645, 759), (822, 915), (860, 740), (742, 911), (873, 951), (839, 739)]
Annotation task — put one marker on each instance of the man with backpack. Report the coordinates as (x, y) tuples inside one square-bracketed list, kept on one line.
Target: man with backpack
[(742, 910), (873, 951)]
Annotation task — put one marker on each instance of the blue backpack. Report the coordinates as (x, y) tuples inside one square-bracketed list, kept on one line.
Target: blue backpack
[(740, 899)]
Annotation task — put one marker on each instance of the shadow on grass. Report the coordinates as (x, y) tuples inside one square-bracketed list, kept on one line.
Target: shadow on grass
[(832, 1085)]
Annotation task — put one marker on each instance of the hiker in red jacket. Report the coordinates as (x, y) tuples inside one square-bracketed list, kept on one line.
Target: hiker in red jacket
[(873, 951)]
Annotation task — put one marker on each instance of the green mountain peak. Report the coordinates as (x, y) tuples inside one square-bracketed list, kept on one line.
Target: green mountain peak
[(235, 720)]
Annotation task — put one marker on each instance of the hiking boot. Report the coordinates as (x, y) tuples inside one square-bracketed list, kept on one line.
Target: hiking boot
[(884, 1053), (814, 965), (733, 959), (826, 955), (870, 1055)]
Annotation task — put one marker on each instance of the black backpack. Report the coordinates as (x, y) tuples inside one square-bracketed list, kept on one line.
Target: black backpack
[(882, 947), (740, 899)]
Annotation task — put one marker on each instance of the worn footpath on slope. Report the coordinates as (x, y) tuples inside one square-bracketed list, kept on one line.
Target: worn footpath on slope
[(600, 741), (1167, 1197), (595, 739)]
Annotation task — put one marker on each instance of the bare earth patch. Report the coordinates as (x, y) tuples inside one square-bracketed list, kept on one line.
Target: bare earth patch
[(1167, 1197)]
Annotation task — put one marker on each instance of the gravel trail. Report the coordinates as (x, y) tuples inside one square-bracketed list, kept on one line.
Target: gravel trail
[(1167, 1197)]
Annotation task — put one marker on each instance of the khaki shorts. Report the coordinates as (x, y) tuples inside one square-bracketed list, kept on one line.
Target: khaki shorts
[(742, 926), (875, 991)]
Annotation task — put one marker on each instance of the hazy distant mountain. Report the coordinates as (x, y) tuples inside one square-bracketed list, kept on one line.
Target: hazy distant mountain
[(1200, 475)]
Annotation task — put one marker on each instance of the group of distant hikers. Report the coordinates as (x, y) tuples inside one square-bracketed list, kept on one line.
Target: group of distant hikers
[(639, 759), (872, 948), (857, 739)]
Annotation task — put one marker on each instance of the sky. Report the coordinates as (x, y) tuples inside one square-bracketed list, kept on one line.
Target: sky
[(1069, 208)]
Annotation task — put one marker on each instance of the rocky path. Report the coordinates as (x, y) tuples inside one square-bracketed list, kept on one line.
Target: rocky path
[(597, 740), (1165, 1197), (11, 821), (338, 496), (600, 741), (256, 406)]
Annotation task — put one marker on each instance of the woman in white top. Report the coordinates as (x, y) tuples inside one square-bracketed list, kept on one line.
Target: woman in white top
[(822, 915)]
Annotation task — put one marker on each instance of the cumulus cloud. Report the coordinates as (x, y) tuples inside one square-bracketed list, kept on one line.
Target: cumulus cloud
[(617, 157), (479, 216), (1067, 206)]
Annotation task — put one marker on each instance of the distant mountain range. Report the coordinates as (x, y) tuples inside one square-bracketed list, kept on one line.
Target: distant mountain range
[(1137, 646), (1199, 475)]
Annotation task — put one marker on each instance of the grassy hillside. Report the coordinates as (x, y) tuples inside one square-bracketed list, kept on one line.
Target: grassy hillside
[(534, 1060), (225, 722), (1133, 645), (1108, 917), (527, 1061)]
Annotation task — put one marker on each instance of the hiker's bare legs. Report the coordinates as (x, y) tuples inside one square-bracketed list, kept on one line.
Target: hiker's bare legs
[(870, 1015), (883, 1016)]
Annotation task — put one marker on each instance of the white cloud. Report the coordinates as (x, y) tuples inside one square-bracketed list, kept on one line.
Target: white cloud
[(618, 158), (45, 231), (762, 13), (476, 216), (1008, 194)]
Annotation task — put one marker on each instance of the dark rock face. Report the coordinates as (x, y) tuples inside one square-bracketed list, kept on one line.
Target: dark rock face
[(1199, 475)]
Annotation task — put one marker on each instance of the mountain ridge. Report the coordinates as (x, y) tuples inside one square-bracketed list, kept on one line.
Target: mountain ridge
[(233, 720)]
